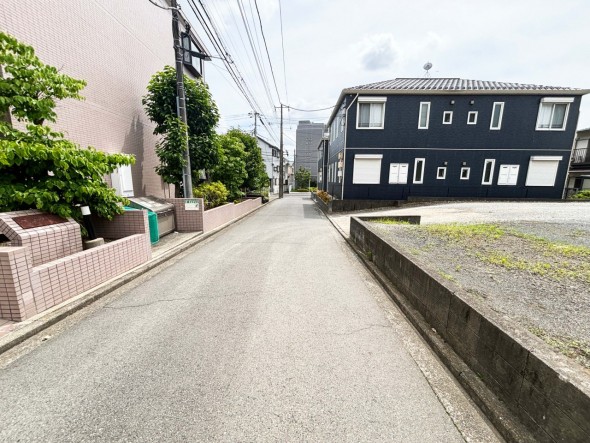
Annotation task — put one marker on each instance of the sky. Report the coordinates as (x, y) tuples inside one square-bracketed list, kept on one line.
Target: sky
[(333, 45)]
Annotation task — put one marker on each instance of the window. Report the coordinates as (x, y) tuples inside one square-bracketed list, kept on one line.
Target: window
[(398, 173), (441, 173), (542, 171), (553, 113), (508, 174), (488, 171), (367, 169), (497, 111), (424, 115), (419, 170), (447, 117), (465, 173), (370, 113), (472, 118)]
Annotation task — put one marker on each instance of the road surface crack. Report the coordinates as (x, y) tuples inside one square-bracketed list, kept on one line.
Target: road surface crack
[(165, 300)]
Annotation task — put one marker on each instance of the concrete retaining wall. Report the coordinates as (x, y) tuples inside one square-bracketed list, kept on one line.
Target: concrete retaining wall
[(549, 394)]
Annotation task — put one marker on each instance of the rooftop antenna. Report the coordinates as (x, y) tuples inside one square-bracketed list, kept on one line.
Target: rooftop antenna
[(427, 67)]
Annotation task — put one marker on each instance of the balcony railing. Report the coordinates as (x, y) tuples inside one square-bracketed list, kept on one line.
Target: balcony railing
[(581, 155)]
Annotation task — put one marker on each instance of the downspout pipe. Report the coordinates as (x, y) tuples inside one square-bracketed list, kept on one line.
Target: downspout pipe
[(345, 134)]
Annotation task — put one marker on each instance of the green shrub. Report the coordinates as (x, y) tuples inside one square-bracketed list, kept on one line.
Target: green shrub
[(581, 195), (313, 189), (213, 194)]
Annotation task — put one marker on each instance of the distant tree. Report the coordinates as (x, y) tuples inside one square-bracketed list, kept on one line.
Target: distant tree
[(302, 178), (255, 167), (231, 168), (202, 117), (39, 168)]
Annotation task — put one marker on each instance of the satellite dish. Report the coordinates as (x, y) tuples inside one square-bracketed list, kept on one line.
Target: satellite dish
[(427, 66)]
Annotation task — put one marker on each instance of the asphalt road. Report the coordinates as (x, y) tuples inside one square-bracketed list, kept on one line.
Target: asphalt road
[(269, 331)]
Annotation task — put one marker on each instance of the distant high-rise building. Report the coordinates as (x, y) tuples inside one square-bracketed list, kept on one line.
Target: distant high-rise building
[(307, 139)]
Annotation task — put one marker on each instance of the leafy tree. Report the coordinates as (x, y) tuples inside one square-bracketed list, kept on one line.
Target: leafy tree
[(231, 169), (302, 178), (39, 168), (202, 117), (257, 176)]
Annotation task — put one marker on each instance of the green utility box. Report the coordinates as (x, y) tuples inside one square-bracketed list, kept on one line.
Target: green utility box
[(153, 222)]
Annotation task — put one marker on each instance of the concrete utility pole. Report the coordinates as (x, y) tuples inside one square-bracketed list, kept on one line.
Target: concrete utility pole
[(256, 114), (187, 180), (281, 172)]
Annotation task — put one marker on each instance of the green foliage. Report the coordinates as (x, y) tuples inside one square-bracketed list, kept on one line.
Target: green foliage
[(171, 157), (456, 231), (32, 88), (389, 221), (202, 117), (302, 178), (214, 194), (584, 194), (231, 169), (39, 168), (257, 176)]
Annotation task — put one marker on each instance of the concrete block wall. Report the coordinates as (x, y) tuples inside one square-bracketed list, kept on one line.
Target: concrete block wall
[(550, 395)]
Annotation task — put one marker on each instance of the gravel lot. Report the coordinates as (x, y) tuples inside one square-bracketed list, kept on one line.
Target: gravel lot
[(540, 284)]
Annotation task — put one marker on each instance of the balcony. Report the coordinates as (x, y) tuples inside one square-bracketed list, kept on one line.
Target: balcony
[(581, 156)]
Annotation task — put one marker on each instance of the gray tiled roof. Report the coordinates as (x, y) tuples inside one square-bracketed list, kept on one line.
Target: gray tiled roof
[(454, 84)]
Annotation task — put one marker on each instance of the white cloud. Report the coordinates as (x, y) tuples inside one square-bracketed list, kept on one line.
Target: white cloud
[(377, 51)]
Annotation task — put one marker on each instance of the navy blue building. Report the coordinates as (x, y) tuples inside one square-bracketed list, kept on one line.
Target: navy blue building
[(449, 137)]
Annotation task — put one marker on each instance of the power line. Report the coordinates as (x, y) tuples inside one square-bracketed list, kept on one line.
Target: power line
[(283, 46), (311, 110), (267, 53)]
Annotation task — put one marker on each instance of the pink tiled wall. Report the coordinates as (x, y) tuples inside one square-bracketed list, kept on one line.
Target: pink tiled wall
[(216, 217), (115, 46), (26, 290), (44, 244), (187, 221), (128, 223)]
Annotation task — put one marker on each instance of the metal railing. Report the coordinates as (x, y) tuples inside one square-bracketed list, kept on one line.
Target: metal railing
[(581, 155)]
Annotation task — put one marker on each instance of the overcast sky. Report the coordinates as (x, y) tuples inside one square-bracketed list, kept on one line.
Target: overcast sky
[(332, 45)]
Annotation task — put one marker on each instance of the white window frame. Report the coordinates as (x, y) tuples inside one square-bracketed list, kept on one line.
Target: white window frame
[(499, 126), (444, 173), (416, 161), (445, 113), (427, 115), (370, 100), (469, 114), (539, 158), (487, 161), (509, 181), (367, 157), (465, 169), (397, 180), (554, 101)]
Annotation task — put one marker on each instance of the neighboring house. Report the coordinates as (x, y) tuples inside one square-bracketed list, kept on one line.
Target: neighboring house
[(579, 173), (270, 155), (115, 46), (307, 137), (449, 137), (322, 167)]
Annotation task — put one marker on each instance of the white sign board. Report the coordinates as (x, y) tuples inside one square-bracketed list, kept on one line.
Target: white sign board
[(191, 204)]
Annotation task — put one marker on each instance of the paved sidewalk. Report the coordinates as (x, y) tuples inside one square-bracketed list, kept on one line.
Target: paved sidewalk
[(272, 331)]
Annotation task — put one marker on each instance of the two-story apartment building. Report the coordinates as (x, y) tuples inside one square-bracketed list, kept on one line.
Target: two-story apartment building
[(579, 174), (449, 137)]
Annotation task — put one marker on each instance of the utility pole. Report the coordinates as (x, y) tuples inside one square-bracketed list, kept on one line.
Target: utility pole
[(187, 180), (256, 114), (281, 172)]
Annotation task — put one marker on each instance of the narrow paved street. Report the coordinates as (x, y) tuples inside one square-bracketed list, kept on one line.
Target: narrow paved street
[(269, 331)]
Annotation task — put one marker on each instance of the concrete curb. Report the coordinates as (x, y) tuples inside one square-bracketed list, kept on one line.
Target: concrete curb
[(54, 315)]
